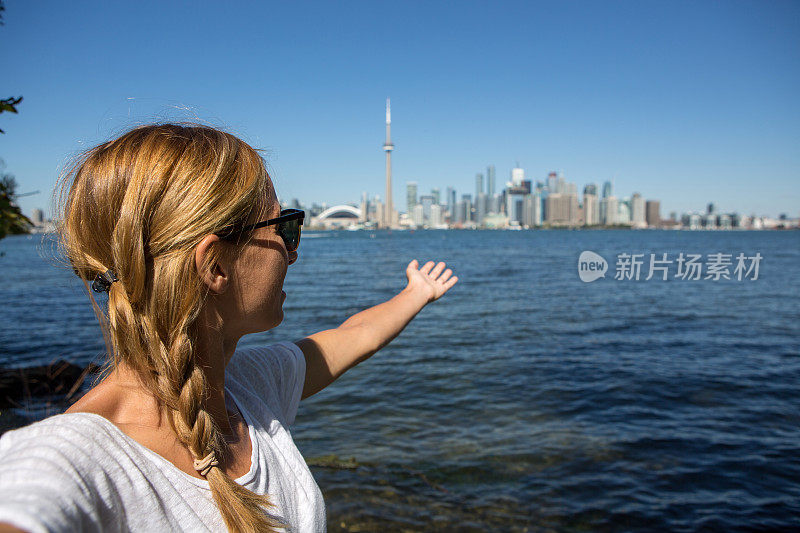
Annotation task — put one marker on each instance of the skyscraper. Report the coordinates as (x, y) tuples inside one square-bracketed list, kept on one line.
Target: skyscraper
[(478, 184), (460, 212), (532, 210), (436, 216), (364, 208), (591, 214), (609, 209), (495, 203), (426, 201), (624, 211), (515, 205), (572, 204), (437, 196), (467, 201), (653, 213), (638, 218), (388, 147), (517, 175), (451, 203), (552, 182), (417, 216), (411, 196), (481, 207), (490, 180), (607, 190)]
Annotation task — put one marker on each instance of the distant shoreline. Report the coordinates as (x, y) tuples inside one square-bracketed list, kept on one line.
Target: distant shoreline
[(555, 228), (519, 228)]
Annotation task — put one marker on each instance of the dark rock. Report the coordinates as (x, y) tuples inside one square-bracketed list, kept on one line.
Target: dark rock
[(57, 379)]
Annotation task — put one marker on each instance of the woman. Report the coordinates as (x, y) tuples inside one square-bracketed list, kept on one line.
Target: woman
[(181, 226)]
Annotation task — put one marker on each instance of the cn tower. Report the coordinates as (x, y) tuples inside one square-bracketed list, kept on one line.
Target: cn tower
[(388, 147)]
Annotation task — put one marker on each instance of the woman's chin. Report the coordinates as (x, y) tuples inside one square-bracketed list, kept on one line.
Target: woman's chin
[(279, 317), (274, 320)]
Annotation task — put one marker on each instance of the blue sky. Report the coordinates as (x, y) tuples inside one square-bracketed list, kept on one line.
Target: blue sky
[(686, 102)]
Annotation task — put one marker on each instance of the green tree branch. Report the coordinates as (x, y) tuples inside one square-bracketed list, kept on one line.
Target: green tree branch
[(12, 221)]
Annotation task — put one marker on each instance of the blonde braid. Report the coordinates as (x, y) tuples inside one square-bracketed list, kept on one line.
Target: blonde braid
[(241, 509)]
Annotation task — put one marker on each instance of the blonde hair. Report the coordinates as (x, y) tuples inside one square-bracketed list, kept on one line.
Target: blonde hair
[(139, 205)]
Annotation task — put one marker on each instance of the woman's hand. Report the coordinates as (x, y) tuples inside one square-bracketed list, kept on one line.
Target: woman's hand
[(429, 280)]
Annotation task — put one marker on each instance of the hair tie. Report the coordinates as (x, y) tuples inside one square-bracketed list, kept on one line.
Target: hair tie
[(102, 282), (204, 466)]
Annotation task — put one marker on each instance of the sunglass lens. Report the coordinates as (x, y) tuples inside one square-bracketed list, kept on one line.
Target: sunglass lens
[(296, 241), (290, 232)]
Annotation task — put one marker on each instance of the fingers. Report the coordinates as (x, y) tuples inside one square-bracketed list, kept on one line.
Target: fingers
[(450, 282), (411, 269), (436, 273), (426, 268), (437, 270)]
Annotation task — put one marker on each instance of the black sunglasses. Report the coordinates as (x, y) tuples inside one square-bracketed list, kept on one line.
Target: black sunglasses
[(288, 227)]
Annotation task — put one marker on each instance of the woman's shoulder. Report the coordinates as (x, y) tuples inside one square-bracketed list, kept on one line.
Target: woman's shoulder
[(273, 362), (276, 351), (60, 456), (58, 433), (68, 472), (69, 423), (270, 375)]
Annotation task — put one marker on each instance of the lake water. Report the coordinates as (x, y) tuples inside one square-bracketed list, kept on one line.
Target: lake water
[(524, 398)]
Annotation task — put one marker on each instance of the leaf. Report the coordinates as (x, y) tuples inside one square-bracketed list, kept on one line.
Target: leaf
[(9, 104)]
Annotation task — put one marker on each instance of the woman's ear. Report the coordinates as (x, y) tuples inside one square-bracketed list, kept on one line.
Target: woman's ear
[(215, 275)]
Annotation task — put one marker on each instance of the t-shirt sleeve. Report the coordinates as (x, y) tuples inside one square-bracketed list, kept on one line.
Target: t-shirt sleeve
[(41, 490), (276, 374)]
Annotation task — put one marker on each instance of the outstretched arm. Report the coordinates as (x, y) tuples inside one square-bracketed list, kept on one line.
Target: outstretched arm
[(330, 353)]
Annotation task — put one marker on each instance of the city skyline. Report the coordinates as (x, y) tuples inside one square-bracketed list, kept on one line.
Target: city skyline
[(522, 204), (489, 184), (530, 204), (692, 102)]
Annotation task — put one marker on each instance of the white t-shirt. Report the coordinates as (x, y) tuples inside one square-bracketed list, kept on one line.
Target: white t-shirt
[(79, 472)]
